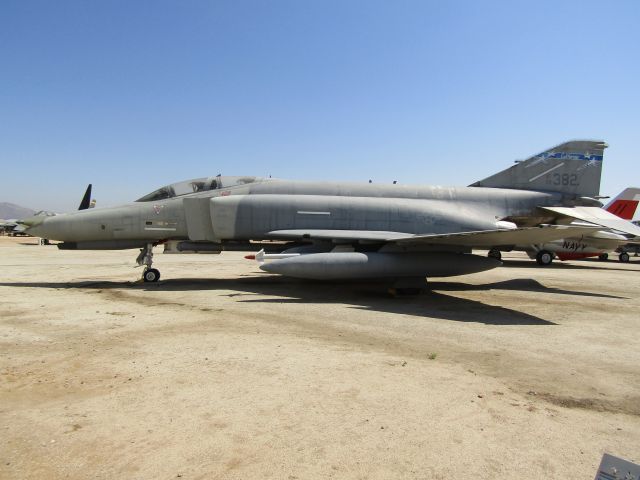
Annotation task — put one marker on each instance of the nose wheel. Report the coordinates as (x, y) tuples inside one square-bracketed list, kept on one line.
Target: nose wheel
[(150, 275)]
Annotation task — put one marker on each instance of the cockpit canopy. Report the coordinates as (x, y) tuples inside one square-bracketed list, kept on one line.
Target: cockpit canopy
[(196, 185)]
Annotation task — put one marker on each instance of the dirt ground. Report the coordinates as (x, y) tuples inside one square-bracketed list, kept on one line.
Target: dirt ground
[(223, 371)]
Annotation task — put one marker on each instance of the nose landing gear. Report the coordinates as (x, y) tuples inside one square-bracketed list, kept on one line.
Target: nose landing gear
[(149, 275)]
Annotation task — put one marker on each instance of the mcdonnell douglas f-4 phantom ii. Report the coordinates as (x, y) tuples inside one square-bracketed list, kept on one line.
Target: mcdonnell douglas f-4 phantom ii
[(331, 230)]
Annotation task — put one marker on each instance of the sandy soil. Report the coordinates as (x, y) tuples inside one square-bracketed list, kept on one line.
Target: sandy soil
[(222, 371)]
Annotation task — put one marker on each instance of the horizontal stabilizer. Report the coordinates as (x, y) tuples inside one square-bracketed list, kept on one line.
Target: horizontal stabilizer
[(597, 216), (494, 238)]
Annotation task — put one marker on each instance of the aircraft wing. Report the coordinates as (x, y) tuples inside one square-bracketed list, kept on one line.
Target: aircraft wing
[(479, 239), (360, 235), (596, 215), (495, 238)]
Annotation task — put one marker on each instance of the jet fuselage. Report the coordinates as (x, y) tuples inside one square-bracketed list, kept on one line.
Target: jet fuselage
[(251, 211)]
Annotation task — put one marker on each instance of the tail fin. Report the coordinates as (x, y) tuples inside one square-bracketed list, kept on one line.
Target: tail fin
[(625, 204), (86, 200), (570, 168)]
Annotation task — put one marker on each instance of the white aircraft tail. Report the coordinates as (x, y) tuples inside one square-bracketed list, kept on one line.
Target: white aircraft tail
[(625, 204)]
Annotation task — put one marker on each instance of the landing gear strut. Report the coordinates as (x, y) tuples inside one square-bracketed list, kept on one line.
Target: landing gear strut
[(146, 258)]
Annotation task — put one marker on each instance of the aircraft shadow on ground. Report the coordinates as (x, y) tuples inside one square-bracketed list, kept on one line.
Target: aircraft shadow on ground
[(366, 296), (519, 284), (588, 264)]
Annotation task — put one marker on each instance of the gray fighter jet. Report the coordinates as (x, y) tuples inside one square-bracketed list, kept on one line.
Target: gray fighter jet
[(331, 230)]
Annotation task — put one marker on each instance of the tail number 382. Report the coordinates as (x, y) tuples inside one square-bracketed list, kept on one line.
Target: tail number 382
[(564, 179)]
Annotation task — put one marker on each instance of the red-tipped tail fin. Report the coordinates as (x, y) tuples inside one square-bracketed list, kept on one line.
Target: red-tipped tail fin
[(625, 204)]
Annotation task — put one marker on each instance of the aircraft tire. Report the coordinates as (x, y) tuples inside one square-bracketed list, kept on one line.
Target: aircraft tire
[(151, 275), (544, 258), (603, 257), (495, 253), (624, 257)]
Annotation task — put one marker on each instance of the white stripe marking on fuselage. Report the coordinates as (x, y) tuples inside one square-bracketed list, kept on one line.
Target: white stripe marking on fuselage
[(160, 228), (304, 212)]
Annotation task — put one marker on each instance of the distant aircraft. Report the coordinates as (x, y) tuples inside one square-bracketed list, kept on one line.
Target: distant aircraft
[(633, 247), (9, 226), (593, 244), (331, 230)]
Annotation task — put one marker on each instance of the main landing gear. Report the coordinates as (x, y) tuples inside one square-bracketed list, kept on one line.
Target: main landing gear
[(544, 257), (495, 253), (623, 257), (149, 275)]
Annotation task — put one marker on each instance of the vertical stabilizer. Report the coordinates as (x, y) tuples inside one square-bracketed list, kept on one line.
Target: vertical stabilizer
[(570, 168), (625, 204), (86, 200)]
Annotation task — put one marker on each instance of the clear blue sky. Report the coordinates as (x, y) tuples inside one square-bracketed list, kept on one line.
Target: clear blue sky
[(131, 95)]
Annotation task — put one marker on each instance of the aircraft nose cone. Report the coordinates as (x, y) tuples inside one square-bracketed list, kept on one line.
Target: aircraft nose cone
[(31, 221), (40, 226)]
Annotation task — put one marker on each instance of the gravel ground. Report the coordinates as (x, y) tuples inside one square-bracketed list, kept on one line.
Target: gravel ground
[(223, 371)]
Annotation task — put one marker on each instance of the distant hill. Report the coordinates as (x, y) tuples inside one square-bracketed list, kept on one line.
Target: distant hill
[(10, 210)]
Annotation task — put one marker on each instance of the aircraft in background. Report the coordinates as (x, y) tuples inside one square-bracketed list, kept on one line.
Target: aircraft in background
[(10, 227), (336, 231), (593, 244), (633, 247)]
